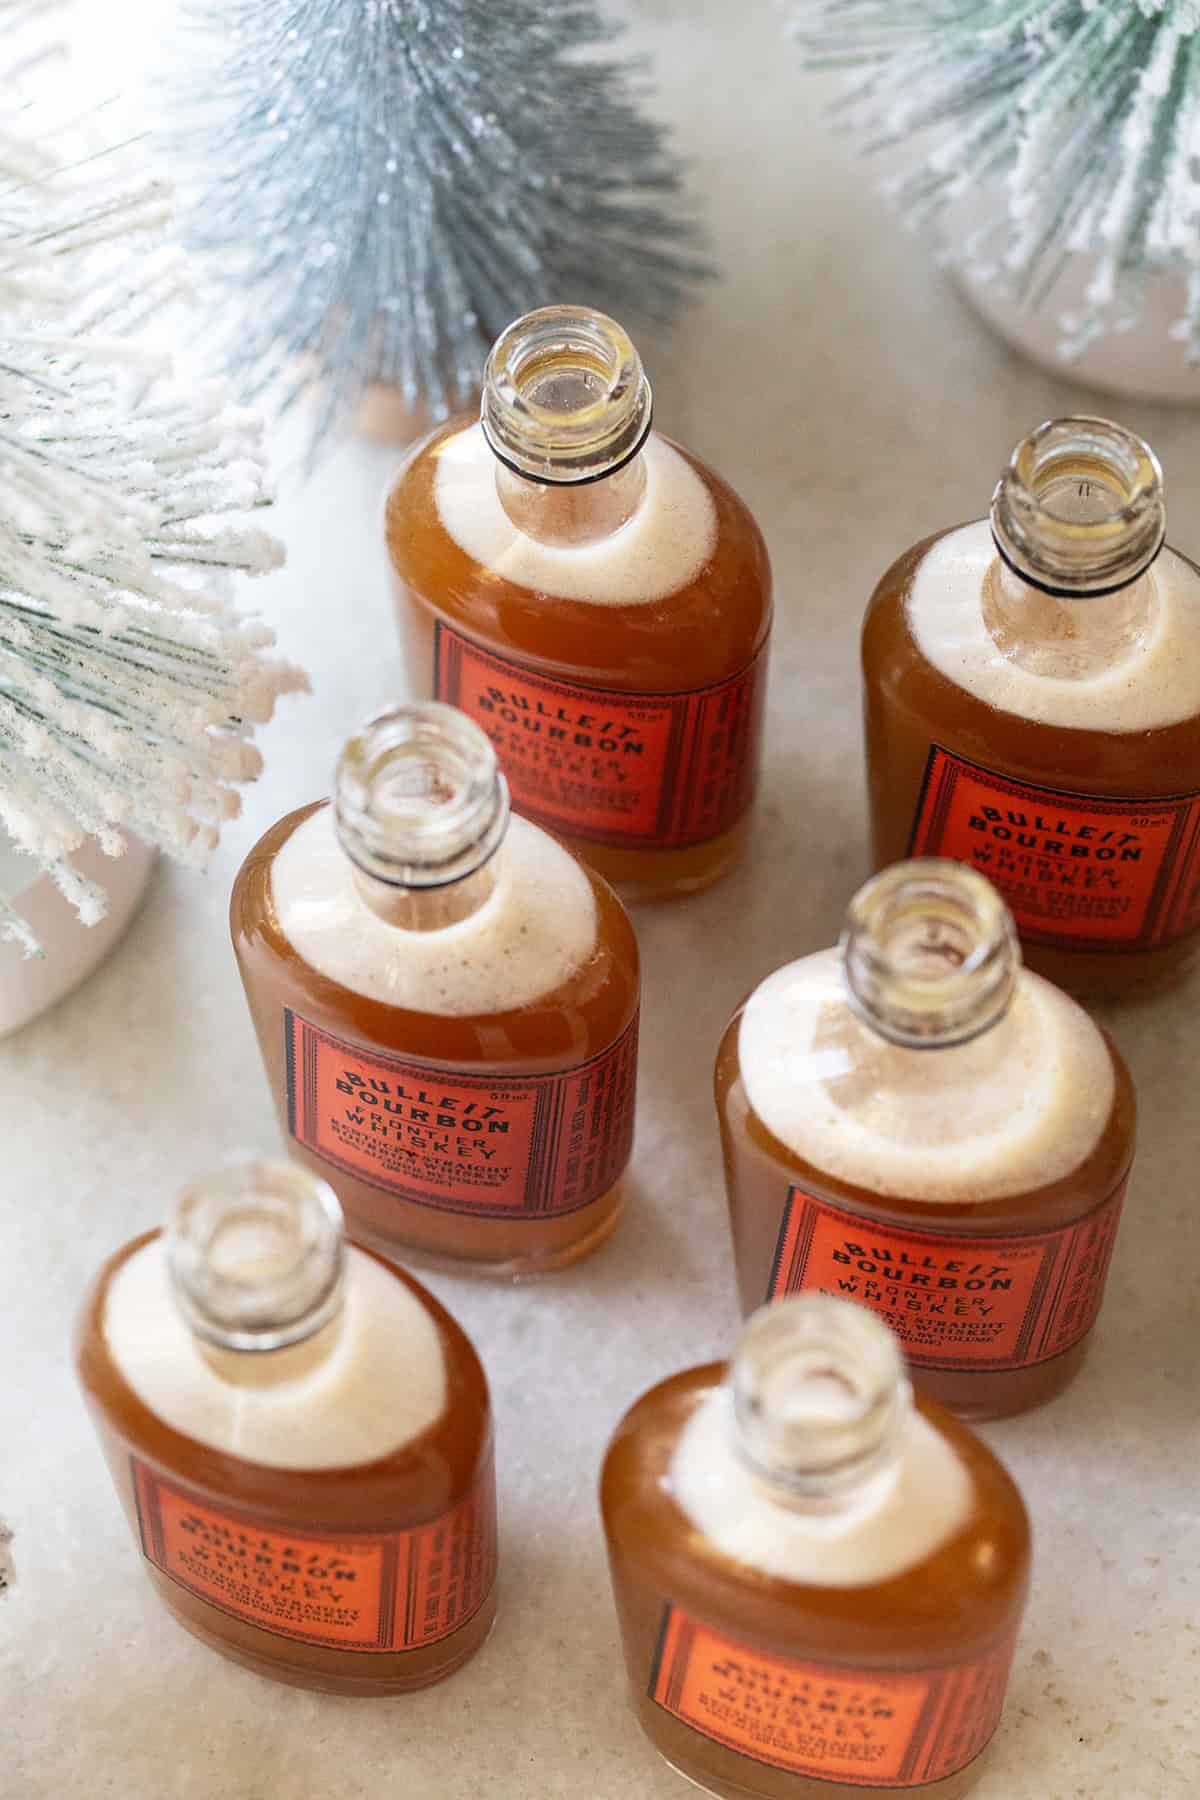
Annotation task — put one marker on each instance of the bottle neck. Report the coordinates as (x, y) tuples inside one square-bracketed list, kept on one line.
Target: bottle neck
[(566, 409), (421, 810), (1078, 518), (287, 1363), (256, 1257), (426, 909), (568, 515), (930, 955), (821, 1404), (1066, 637)]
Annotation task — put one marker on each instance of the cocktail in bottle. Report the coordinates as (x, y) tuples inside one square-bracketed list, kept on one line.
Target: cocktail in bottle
[(597, 599), (916, 1122), (1032, 703), (819, 1582), (446, 1000), (301, 1437)]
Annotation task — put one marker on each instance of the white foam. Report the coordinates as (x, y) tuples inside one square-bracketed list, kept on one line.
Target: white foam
[(1157, 683), (1011, 1111), (907, 1520), (660, 549), (534, 931), (382, 1383)]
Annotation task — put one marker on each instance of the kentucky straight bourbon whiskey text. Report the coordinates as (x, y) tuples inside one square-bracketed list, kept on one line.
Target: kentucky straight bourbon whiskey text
[(918, 1124), (447, 1004), (1032, 704), (301, 1438), (819, 1584), (597, 600)]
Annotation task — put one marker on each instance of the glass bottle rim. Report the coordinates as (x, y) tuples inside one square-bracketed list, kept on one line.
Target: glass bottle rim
[(1080, 550), (565, 397), (419, 798), (256, 1252), (930, 954), (821, 1396)]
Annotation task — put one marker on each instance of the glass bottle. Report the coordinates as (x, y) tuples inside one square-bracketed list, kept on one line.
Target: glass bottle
[(918, 1123), (1032, 705), (597, 599), (819, 1583), (300, 1435), (446, 1001)]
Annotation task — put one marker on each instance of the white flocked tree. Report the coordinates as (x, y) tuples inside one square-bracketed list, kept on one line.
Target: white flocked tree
[(1083, 115), (130, 685)]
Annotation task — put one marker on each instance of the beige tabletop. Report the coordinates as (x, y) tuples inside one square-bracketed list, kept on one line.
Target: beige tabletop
[(857, 403)]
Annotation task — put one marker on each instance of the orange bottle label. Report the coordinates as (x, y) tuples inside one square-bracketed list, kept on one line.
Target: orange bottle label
[(392, 1591), (648, 771), (1077, 871), (870, 1728), (494, 1146), (955, 1301)]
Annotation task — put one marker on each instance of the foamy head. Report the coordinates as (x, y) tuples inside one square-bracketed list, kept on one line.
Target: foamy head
[(365, 1385), (926, 1503), (662, 548), (1009, 1112), (535, 930), (1154, 682)]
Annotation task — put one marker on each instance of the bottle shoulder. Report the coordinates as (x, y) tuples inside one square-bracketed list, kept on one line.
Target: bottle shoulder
[(889, 593), (1053, 692), (969, 1586), (679, 597), (421, 455), (410, 1481), (737, 524), (1037, 1116), (552, 953)]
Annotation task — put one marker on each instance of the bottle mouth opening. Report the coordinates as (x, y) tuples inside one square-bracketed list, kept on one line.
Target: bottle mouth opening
[(930, 954), (820, 1394), (255, 1252), (420, 801), (565, 397), (1080, 508)]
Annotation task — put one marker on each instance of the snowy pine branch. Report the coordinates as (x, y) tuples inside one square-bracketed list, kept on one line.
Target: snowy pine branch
[(129, 687), (1084, 115)]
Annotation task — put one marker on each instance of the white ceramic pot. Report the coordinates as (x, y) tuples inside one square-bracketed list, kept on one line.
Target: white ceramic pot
[(1144, 363), (28, 984)]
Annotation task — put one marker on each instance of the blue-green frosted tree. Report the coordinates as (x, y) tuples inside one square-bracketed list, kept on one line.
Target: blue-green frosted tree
[(380, 186)]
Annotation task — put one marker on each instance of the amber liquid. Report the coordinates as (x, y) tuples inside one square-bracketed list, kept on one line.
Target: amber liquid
[(565, 1028), (416, 1484), (909, 705), (704, 633), (760, 1170), (954, 1605)]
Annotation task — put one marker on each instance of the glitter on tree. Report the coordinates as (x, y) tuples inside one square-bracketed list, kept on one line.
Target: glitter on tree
[(378, 187)]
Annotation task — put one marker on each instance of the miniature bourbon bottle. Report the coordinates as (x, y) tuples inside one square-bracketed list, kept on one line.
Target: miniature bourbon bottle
[(301, 1438), (597, 599), (917, 1123), (1032, 705), (819, 1584), (446, 1002)]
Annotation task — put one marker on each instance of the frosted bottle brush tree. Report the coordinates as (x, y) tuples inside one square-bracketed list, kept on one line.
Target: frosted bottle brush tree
[(129, 687), (1085, 114), (378, 187)]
